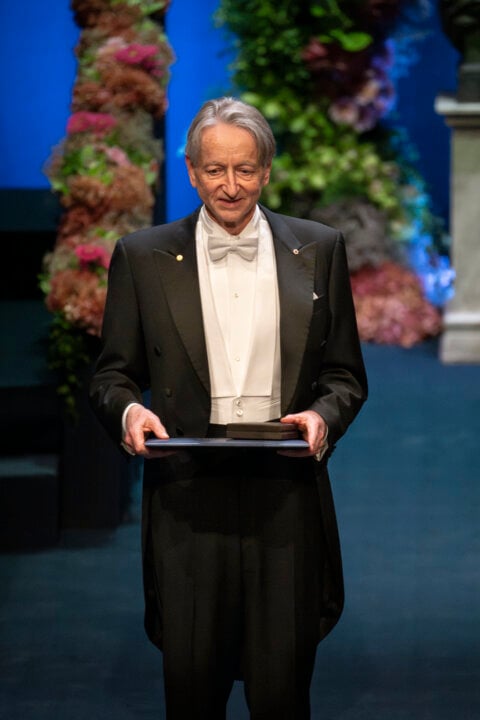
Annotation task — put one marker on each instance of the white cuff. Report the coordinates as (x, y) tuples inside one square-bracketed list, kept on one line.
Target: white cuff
[(319, 455), (124, 416)]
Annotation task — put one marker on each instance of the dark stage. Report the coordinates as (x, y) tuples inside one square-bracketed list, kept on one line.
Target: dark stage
[(407, 648)]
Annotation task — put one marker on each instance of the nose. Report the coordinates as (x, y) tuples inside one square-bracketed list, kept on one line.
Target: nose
[(231, 184)]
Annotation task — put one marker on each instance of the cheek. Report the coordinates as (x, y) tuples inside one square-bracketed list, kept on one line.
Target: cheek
[(206, 189)]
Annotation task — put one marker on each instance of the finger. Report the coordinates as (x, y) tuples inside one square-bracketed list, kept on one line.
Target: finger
[(158, 429), (312, 426), (151, 425), (136, 438), (154, 426), (295, 418), (141, 423), (303, 422), (128, 448)]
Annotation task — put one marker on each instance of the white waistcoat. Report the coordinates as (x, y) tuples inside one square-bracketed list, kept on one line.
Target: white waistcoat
[(240, 309)]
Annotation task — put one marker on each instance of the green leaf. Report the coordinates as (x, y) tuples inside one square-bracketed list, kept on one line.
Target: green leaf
[(317, 180), (298, 124), (318, 11), (354, 41)]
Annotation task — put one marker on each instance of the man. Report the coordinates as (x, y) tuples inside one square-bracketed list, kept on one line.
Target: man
[(234, 313)]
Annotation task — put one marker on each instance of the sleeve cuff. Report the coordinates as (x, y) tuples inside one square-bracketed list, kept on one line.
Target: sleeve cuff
[(319, 455), (124, 417)]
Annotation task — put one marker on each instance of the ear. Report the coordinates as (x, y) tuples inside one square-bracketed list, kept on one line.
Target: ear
[(266, 175), (191, 171)]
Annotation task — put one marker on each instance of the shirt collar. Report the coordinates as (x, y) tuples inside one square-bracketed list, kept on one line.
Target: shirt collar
[(211, 227)]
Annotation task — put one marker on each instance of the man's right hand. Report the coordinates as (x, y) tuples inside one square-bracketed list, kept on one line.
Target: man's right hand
[(139, 423)]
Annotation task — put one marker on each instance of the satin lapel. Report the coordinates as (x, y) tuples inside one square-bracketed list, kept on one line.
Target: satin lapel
[(178, 274), (295, 275)]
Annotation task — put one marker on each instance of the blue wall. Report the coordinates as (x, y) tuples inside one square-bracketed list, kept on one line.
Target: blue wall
[(38, 70), (432, 74), (37, 73)]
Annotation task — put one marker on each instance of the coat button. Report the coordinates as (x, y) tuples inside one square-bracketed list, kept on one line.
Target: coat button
[(168, 392)]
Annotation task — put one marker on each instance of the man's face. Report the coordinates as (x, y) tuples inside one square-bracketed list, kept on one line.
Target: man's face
[(228, 177)]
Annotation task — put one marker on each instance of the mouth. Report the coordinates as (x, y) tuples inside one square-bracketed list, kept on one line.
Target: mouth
[(228, 203)]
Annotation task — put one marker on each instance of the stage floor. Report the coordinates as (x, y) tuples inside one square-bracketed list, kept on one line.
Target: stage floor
[(407, 491)]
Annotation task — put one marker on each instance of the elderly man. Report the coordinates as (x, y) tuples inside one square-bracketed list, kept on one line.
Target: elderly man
[(233, 314)]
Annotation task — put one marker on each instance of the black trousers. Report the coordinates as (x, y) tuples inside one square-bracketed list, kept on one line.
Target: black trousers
[(238, 554)]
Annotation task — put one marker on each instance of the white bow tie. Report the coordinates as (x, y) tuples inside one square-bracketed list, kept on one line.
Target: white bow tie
[(219, 246)]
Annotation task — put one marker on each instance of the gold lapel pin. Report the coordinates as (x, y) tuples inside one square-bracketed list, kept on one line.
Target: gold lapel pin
[(179, 258)]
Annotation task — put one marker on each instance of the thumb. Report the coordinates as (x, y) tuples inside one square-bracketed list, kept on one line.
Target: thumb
[(155, 426)]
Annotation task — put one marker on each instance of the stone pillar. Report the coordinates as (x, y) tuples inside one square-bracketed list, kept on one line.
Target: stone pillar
[(460, 342)]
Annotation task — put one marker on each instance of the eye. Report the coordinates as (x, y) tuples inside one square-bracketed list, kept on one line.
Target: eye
[(214, 172), (246, 172)]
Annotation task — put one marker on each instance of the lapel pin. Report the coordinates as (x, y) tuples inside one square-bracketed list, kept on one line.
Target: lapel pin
[(179, 258), (296, 251)]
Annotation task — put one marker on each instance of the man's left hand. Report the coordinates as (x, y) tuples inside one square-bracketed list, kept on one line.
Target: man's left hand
[(314, 431)]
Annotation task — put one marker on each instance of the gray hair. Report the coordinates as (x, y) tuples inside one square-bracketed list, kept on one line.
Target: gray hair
[(231, 111)]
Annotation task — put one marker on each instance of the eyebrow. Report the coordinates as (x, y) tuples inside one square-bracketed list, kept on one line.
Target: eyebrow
[(245, 163)]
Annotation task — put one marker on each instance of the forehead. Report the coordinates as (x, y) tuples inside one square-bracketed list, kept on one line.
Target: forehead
[(223, 142)]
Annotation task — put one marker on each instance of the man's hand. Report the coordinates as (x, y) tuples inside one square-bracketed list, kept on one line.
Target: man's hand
[(314, 431), (139, 423)]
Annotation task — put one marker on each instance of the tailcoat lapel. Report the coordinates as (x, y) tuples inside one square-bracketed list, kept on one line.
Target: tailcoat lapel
[(176, 263), (295, 276)]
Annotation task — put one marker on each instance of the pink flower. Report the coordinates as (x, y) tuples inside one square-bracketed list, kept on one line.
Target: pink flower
[(84, 121), (391, 307), (136, 54), (109, 48), (117, 155), (89, 254)]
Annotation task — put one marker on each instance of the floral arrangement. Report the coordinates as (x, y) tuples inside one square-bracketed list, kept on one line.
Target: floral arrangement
[(391, 307), (106, 169), (324, 76)]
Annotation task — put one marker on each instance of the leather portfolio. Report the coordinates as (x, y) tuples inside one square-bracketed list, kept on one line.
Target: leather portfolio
[(262, 431)]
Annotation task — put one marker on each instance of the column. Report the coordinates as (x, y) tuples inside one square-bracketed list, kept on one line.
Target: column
[(460, 342)]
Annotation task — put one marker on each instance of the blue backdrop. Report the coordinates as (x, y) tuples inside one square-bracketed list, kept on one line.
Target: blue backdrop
[(38, 70)]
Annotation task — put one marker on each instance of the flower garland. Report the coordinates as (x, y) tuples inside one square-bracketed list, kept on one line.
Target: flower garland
[(323, 74), (106, 170)]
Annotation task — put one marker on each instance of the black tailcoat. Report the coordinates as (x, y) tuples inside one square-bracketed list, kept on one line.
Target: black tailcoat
[(154, 340)]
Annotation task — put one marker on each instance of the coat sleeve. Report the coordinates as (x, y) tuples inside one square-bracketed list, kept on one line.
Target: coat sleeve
[(341, 387), (121, 373)]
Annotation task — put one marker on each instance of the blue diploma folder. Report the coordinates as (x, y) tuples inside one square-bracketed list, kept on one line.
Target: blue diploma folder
[(184, 442)]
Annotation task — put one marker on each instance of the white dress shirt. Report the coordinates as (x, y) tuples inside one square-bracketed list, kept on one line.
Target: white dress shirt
[(240, 309)]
